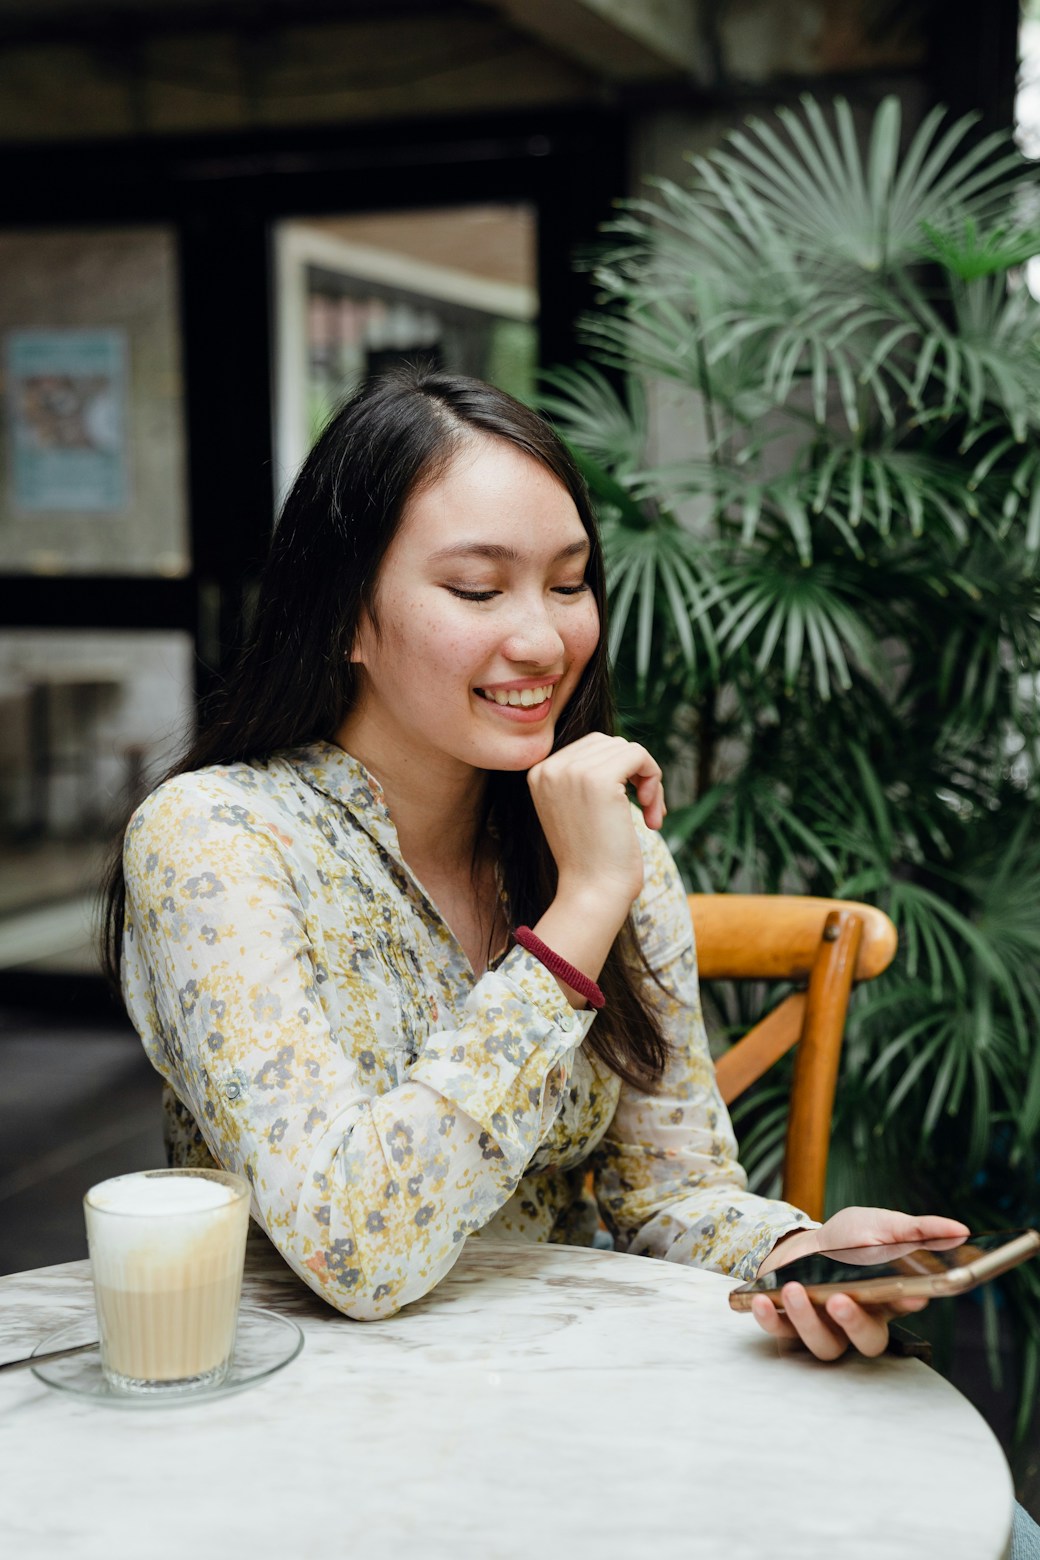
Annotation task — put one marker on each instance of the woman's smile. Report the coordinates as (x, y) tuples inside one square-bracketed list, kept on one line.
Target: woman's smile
[(523, 701)]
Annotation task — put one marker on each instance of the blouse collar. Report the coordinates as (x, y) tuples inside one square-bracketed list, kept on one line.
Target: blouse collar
[(337, 774), (342, 777)]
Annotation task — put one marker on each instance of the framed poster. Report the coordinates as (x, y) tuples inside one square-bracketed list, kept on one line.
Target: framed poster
[(66, 417), (93, 448)]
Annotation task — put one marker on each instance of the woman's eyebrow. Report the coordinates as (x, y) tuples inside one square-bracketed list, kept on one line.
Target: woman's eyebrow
[(499, 553)]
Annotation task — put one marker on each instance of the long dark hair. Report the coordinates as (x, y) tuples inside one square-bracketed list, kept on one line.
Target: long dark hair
[(294, 681)]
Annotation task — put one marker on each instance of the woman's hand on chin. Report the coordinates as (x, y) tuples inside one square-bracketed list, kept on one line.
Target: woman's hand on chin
[(828, 1332), (580, 796), (581, 799)]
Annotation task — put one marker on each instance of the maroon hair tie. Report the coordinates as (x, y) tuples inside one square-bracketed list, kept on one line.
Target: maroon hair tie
[(556, 966)]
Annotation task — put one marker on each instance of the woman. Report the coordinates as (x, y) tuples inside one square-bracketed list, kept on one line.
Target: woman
[(412, 762)]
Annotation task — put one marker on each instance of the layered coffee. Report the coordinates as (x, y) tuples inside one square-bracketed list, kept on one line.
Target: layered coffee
[(167, 1249)]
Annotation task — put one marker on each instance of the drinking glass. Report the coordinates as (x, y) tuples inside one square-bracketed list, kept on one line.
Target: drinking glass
[(167, 1249)]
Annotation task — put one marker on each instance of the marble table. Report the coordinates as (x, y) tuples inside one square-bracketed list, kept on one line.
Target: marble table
[(542, 1402)]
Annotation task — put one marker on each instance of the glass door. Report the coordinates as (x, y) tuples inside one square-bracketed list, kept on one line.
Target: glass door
[(455, 287)]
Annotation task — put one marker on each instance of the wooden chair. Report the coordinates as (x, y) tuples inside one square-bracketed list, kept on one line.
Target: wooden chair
[(824, 945)]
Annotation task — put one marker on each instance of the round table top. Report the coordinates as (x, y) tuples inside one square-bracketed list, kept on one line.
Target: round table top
[(543, 1400)]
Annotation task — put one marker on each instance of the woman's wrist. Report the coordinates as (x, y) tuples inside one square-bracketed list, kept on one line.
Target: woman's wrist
[(567, 975), (580, 934), (602, 906), (796, 1243)]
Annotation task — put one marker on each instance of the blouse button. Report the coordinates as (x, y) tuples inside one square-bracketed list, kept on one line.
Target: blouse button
[(231, 1091), (567, 1022)]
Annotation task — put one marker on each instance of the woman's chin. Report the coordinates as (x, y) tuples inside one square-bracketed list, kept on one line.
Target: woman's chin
[(519, 756)]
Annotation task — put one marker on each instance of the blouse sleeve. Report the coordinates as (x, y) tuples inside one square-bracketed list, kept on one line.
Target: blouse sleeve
[(369, 1196), (667, 1177)]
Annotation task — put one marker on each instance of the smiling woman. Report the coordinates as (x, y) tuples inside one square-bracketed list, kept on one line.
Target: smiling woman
[(465, 655), (361, 922)]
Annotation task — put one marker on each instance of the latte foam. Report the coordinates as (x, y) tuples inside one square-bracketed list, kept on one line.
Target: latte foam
[(155, 1195), (157, 1220)]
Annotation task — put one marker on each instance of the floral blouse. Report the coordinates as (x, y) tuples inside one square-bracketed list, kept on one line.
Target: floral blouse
[(321, 1032)]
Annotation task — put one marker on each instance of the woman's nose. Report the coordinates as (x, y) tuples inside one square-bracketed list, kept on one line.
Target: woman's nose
[(533, 636)]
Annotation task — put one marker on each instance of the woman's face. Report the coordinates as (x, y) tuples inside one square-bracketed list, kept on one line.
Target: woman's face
[(485, 620)]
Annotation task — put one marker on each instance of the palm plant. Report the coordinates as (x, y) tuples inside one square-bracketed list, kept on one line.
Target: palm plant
[(827, 615)]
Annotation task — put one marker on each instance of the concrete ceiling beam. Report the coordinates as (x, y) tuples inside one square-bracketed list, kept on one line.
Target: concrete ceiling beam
[(622, 40)]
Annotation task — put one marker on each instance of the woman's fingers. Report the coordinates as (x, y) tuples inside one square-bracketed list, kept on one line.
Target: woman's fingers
[(807, 1327), (852, 1227), (770, 1320), (829, 1331), (823, 1335), (866, 1330), (627, 763), (612, 760), (650, 796)]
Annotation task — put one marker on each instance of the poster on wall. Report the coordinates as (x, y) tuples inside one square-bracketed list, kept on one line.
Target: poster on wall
[(66, 417)]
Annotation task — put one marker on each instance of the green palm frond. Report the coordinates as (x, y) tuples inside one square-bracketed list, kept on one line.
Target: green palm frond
[(933, 1063), (972, 616), (760, 1121), (845, 657), (870, 212), (707, 238), (756, 837), (784, 252), (971, 678), (986, 359), (595, 419), (1004, 888), (971, 252), (887, 488), (830, 341), (654, 572), (1007, 480), (893, 837), (795, 616)]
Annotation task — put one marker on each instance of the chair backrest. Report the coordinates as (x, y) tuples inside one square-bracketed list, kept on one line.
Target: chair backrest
[(825, 946)]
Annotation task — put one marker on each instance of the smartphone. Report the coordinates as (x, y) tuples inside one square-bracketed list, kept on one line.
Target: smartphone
[(878, 1274)]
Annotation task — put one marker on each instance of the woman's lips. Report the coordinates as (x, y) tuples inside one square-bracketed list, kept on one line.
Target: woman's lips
[(525, 714)]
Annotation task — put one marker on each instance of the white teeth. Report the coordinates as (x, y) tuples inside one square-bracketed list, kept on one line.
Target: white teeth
[(525, 697)]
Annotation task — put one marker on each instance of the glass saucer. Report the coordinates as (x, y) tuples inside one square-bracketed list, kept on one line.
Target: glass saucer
[(264, 1343)]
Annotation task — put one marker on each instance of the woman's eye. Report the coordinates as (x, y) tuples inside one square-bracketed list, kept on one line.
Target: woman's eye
[(471, 595), (463, 594)]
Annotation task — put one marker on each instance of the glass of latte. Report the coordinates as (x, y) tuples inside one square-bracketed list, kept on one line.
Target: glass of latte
[(167, 1248)]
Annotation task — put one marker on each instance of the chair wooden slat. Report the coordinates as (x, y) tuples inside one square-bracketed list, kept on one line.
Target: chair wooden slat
[(777, 936), (816, 1063), (825, 944), (745, 1061)]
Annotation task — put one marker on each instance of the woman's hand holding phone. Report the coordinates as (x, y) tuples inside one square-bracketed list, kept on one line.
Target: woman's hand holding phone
[(828, 1332)]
